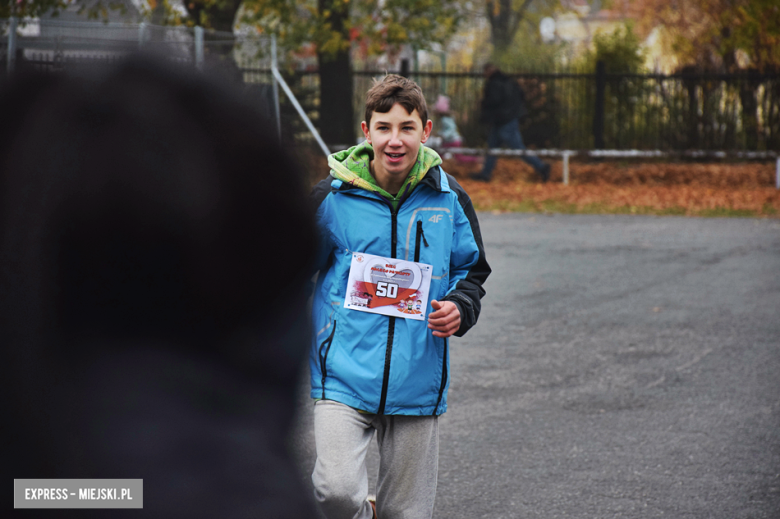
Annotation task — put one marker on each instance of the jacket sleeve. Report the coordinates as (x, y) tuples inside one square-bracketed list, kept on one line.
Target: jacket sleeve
[(468, 265), (317, 198), (492, 100), (449, 130)]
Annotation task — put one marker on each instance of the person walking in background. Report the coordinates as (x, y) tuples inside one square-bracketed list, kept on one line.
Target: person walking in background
[(387, 215), (448, 130), (503, 107)]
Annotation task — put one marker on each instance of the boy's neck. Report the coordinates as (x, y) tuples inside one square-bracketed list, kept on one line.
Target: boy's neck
[(390, 184)]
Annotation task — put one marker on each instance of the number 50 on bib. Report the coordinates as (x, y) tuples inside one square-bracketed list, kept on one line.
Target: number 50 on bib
[(388, 286)]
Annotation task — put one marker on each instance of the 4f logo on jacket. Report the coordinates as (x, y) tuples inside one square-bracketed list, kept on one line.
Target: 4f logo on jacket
[(435, 218)]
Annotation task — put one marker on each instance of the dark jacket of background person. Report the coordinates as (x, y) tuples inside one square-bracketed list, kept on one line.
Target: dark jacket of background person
[(154, 251), (503, 100)]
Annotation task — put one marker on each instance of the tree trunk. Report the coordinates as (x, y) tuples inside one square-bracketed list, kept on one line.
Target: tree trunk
[(504, 21), (219, 53), (337, 125), (336, 121)]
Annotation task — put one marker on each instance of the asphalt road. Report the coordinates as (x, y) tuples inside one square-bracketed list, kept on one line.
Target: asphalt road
[(622, 367)]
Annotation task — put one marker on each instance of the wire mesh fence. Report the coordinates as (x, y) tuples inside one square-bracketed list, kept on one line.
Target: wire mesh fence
[(48, 42)]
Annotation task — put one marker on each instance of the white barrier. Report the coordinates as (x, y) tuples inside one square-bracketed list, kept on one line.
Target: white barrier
[(566, 154)]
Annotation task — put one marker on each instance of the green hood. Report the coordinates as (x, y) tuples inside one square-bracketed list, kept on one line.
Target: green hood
[(352, 166)]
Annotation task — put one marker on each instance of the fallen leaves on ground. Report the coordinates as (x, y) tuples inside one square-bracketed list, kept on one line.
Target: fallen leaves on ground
[(655, 188), (615, 186)]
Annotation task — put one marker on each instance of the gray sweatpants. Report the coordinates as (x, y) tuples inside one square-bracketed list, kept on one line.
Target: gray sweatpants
[(408, 465)]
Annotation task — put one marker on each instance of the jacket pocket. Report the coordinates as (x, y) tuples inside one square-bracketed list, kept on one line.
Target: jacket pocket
[(324, 350), (419, 237)]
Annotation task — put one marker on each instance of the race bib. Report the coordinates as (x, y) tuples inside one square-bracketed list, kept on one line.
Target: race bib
[(385, 286)]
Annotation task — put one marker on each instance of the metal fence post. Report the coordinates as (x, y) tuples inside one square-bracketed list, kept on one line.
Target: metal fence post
[(199, 47), (274, 66), (777, 174), (598, 116), (443, 57), (11, 52), (693, 113), (566, 167), (141, 34), (404, 68), (301, 112)]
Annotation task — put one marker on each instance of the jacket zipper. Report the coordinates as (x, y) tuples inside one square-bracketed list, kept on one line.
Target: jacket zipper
[(391, 322), (444, 375), (323, 369), (420, 234)]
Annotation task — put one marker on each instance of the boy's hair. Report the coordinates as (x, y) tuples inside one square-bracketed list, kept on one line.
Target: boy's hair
[(393, 89)]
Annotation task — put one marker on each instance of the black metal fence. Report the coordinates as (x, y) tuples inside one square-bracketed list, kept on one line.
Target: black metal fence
[(608, 111), (579, 111)]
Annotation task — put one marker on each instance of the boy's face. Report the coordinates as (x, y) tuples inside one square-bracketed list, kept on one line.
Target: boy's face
[(396, 137)]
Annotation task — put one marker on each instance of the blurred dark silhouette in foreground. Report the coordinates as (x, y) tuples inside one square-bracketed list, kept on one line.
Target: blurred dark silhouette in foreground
[(154, 256)]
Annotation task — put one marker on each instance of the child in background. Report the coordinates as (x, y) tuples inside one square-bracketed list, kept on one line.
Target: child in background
[(448, 130)]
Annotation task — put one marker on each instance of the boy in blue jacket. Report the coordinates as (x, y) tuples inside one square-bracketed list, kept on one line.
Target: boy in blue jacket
[(395, 225)]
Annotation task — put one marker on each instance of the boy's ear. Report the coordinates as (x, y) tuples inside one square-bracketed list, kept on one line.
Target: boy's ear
[(426, 131), (364, 127)]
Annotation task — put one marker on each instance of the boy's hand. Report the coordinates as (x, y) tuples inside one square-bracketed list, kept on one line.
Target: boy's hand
[(445, 319)]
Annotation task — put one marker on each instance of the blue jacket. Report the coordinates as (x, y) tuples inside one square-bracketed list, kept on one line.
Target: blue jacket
[(376, 363)]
